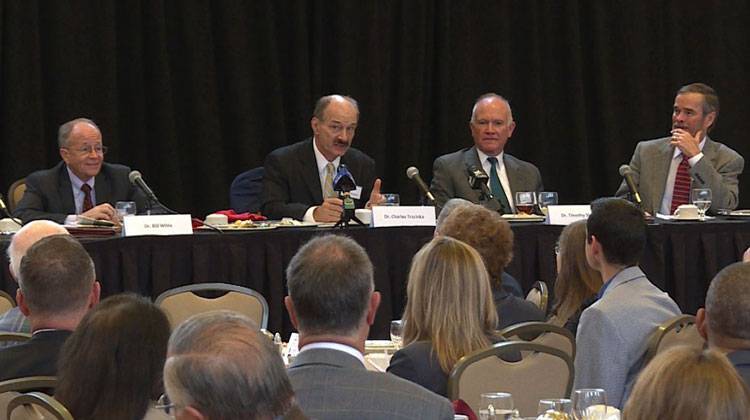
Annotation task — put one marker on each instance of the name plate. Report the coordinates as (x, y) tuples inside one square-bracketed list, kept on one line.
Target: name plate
[(387, 216), (565, 215), (166, 224)]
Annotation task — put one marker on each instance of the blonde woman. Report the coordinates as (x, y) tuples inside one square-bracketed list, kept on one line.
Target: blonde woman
[(689, 384), (449, 313)]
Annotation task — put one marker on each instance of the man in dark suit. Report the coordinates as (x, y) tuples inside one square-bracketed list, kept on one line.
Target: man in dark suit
[(491, 126), (56, 289), (666, 169), (81, 184), (298, 180), (332, 303), (725, 321)]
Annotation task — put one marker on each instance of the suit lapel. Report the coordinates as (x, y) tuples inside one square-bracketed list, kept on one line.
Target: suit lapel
[(102, 188), (661, 171), (65, 189), (309, 168), (513, 174), (471, 158)]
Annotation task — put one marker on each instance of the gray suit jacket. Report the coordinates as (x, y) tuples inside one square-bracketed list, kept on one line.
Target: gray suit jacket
[(718, 170), (450, 178), (613, 332), (330, 384)]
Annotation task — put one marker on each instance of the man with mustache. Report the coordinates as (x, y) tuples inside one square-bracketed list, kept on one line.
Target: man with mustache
[(665, 170), (298, 179), (491, 126)]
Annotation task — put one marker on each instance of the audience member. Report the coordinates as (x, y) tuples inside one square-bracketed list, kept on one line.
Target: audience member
[(332, 303), (56, 289), (221, 367), (613, 331), (447, 277), (688, 384), (577, 283), (111, 366), (492, 237), (448, 208), (725, 321)]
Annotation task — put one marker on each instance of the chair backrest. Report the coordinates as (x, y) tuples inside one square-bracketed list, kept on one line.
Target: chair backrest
[(539, 295), (542, 333), (15, 193), (181, 303), (6, 302), (543, 372), (13, 337), (29, 383), (678, 331), (245, 191), (37, 405)]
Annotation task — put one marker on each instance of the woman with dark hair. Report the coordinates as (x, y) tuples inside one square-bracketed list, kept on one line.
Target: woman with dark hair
[(111, 366)]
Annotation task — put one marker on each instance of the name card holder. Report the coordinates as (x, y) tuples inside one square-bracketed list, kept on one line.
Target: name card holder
[(163, 224), (567, 214), (388, 216)]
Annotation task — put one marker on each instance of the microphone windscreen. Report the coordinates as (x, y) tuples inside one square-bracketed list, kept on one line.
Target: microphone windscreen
[(133, 176), (624, 169), (411, 172)]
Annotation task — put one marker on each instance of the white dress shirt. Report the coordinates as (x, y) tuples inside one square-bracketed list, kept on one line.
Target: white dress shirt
[(78, 195), (666, 201)]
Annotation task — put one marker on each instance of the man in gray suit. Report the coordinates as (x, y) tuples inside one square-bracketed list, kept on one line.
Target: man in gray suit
[(613, 332), (332, 304), (491, 126), (725, 321), (666, 169)]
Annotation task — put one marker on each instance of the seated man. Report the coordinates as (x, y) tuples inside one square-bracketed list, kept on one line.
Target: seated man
[(613, 331), (81, 184), (56, 289), (220, 366), (725, 321), (666, 169), (298, 180), (332, 303), (491, 126)]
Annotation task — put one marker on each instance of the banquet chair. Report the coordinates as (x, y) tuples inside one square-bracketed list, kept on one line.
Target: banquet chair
[(182, 302), (15, 193), (6, 302), (29, 383), (245, 191), (542, 333), (539, 295), (678, 331), (543, 372), (37, 405)]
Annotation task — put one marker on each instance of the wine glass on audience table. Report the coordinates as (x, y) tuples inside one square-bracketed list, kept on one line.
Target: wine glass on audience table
[(397, 333), (701, 198), (590, 404), (557, 405), (547, 198), (525, 202), (497, 406)]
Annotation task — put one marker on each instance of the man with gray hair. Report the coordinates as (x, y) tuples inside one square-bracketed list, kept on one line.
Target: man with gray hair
[(57, 287), (332, 303), (82, 184), (725, 321)]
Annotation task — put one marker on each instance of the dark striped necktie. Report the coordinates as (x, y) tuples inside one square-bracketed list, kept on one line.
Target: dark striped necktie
[(681, 191)]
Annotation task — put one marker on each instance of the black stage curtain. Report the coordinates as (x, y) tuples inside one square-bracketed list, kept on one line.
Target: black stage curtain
[(192, 93)]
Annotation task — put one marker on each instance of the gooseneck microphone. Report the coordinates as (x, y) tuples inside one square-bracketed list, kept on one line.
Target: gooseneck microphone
[(627, 173), (136, 179), (6, 212), (413, 174), (478, 181)]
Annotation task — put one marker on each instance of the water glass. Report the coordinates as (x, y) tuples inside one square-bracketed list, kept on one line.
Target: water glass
[(590, 404), (389, 199), (397, 332), (525, 202), (560, 405), (547, 198), (497, 406), (125, 208), (701, 198)]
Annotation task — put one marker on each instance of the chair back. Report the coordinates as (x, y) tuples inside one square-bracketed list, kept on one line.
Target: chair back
[(29, 383), (542, 333), (245, 191), (15, 193), (6, 302), (543, 372), (181, 303), (7, 337), (37, 405), (678, 331), (539, 295)]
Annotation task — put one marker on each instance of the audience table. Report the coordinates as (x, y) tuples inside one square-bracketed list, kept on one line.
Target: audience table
[(680, 258)]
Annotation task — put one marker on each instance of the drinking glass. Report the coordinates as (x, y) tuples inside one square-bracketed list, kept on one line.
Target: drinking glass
[(525, 202), (547, 198), (560, 405), (497, 406), (397, 331), (125, 208), (590, 404), (390, 199), (701, 198)]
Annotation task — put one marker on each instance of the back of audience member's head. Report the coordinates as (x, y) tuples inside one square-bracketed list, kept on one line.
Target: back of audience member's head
[(448, 208), (27, 236), (57, 278), (449, 300), (687, 383), (111, 366), (330, 283), (487, 232), (728, 307), (220, 365), (619, 227), (576, 280)]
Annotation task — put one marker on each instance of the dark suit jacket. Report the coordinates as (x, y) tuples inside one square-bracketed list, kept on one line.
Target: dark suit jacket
[(36, 357), (291, 183), (741, 361), (512, 310), (330, 384), (49, 194), (451, 180)]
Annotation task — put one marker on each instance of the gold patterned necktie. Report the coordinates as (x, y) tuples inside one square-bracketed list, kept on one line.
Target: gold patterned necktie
[(328, 187)]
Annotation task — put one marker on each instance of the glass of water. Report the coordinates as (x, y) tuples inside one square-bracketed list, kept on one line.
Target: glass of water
[(701, 198), (590, 404), (125, 208), (497, 406), (397, 332), (559, 405), (547, 198)]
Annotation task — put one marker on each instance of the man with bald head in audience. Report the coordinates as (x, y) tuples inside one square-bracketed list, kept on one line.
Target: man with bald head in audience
[(725, 321)]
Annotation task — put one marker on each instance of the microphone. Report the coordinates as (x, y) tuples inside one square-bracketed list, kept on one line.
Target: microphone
[(627, 173), (5, 211), (137, 180), (413, 174), (344, 180), (478, 181)]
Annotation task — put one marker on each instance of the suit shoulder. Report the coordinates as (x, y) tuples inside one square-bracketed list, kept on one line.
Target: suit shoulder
[(394, 383), (115, 168), (292, 149), (359, 155), (518, 161), (453, 156)]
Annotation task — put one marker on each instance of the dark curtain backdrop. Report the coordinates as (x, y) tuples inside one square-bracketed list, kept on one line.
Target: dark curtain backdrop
[(192, 93)]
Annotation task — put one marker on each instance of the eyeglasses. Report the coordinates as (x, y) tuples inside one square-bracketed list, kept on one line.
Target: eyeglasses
[(165, 405), (85, 150), (336, 129)]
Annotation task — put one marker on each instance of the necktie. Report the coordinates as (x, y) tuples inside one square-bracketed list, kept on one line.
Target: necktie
[(496, 187), (681, 191), (328, 187), (87, 203)]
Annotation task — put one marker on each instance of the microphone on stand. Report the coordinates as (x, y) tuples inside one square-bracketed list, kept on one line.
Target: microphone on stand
[(5, 211), (413, 174), (478, 181), (136, 179), (627, 173)]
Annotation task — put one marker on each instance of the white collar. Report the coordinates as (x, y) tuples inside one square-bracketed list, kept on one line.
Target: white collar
[(335, 346), (77, 182), (322, 161), (483, 157), (678, 152)]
